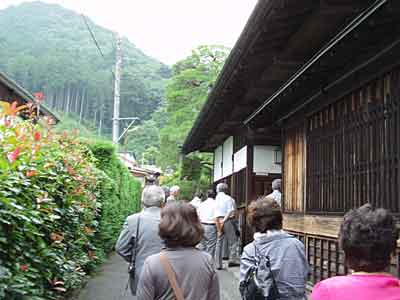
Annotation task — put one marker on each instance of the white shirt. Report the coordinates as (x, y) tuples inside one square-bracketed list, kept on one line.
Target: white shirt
[(224, 205), (206, 211), (277, 195), (196, 202)]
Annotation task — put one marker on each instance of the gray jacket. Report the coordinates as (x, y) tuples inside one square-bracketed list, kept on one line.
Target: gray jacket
[(288, 263), (148, 242), (195, 275)]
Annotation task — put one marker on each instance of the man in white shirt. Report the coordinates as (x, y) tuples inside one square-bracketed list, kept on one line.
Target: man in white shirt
[(276, 191), (174, 193), (198, 198), (225, 215), (206, 212)]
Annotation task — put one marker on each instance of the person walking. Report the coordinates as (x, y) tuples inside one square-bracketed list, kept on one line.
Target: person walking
[(368, 238), (197, 200), (276, 191), (276, 258), (180, 271), (173, 194), (225, 214), (206, 212), (139, 236)]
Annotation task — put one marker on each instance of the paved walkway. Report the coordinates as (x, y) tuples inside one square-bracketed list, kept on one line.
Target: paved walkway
[(110, 283)]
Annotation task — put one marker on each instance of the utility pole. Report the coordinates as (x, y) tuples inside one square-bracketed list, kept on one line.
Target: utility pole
[(117, 86)]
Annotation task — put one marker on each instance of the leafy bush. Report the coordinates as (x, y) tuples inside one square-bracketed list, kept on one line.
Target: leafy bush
[(61, 207), (120, 195)]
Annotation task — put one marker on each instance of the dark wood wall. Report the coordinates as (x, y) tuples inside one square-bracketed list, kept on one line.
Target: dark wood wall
[(339, 157), (353, 150)]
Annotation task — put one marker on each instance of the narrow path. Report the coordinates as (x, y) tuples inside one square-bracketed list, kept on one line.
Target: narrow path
[(110, 283)]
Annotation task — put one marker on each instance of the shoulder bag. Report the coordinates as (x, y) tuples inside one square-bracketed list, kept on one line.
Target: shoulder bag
[(250, 290), (132, 265), (171, 276)]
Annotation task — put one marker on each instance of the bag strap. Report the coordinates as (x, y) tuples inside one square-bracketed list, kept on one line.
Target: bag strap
[(136, 238), (274, 285), (171, 276)]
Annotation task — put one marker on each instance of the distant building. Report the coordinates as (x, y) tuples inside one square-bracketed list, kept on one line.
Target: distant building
[(10, 92), (141, 173)]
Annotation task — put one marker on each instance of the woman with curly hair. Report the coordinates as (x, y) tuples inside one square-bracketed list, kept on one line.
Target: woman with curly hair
[(180, 271), (368, 238), (279, 256)]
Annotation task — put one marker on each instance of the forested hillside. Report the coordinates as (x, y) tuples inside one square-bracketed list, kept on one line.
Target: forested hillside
[(47, 48), (160, 138)]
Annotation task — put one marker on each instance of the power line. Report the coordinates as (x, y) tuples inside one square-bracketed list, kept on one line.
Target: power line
[(92, 34)]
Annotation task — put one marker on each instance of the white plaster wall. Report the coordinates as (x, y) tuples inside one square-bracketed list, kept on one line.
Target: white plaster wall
[(240, 159), (227, 157), (264, 160), (217, 163)]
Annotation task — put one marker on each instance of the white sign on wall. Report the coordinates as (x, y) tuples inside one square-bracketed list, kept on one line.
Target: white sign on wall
[(218, 163), (227, 157), (240, 159), (265, 160)]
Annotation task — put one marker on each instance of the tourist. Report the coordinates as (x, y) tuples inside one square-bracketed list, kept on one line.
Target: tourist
[(206, 212), (288, 262), (276, 191), (166, 192), (173, 194), (198, 198), (139, 237), (368, 238), (225, 214), (192, 269)]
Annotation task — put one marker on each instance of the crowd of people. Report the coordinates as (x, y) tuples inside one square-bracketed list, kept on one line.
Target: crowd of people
[(174, 249)]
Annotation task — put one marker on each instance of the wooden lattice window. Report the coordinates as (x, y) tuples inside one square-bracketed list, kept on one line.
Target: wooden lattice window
[(353, 150), (239, 187), (325, 258)]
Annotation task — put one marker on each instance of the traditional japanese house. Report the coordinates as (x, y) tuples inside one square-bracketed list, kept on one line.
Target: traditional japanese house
[(11, 92), (321, 81)]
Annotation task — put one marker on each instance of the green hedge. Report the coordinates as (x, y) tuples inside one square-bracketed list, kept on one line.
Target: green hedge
[(62, 203)]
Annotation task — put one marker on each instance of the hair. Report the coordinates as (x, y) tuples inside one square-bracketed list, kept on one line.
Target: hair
[(180, 225), (174, 189), (210, 194), (166, 191), (199, 194), (222, 187), (153, 195), (265, 214), (368, 237), (276, 184)]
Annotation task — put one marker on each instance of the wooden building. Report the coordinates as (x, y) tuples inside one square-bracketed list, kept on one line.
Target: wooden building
[(10, 92), (320, 80)]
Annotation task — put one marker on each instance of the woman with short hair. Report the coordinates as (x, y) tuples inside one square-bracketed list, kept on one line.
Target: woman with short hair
[(193, 270), (368, 238), (279, 256)]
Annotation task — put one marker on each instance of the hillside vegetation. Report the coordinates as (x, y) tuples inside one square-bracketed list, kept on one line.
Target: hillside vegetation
[(47, 48)]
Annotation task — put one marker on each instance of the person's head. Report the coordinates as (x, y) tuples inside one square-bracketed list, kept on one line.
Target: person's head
[(222, 188), (166, 191), (210, 194), (276, 184), (180, 226), (199, 194), (368, 237), (153, 195), (174, 190), (265, 214)]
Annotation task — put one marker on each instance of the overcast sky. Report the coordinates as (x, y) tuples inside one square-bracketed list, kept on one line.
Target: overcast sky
[(166, 29)]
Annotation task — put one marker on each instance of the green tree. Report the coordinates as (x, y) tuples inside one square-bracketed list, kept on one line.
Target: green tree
[(186, 92)]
